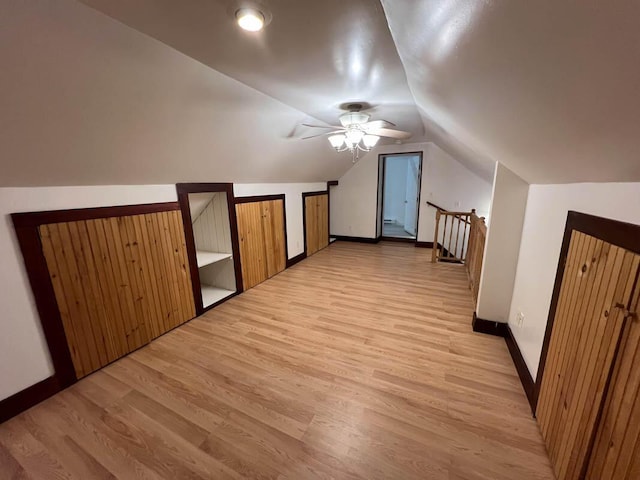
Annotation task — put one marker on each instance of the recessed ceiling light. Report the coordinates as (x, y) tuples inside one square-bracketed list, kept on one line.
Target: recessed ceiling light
[(250, 19)]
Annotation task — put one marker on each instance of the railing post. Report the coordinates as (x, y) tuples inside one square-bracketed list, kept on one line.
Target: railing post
[(434, 250)]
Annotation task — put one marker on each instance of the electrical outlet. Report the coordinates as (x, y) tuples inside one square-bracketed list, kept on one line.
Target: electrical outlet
[(520, 319)]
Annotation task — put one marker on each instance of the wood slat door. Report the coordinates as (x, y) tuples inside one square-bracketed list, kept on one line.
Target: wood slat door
[(316, 222), (274, 228), (251, 238), (586, 332), (118, 283), (616, 451), (261, 232)]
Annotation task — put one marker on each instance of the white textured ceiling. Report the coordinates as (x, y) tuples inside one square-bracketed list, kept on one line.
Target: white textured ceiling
[(313, 56), (549, 88)]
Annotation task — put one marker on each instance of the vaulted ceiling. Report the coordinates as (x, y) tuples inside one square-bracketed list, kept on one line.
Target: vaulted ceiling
[(548, 88)]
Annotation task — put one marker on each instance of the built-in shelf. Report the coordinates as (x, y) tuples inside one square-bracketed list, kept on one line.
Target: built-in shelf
[(207, 258), (211, 295)]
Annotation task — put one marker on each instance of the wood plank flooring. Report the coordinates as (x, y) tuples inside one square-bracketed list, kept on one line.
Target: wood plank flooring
[(357, 363)]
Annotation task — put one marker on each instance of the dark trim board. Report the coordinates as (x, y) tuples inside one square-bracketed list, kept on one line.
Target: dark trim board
[(526, 379), (420, 244), (183, 190), (260, 198), (297, 259), (204, 187), (330, 183), (35, 219), (498, 329), (36, 266), (346, 238), (314, 194), (489, 327), (27, 398), (621, 234)]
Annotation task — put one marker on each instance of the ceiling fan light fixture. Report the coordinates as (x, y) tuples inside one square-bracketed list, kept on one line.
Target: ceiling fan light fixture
[(250, 19), (370, 140), (353, 136), (337, 140), (354, 118)]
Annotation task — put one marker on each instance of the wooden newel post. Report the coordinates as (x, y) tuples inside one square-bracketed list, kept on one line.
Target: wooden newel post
[(434, 249)]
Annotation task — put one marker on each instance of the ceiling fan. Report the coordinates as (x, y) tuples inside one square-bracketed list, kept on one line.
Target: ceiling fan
[(356, 133)]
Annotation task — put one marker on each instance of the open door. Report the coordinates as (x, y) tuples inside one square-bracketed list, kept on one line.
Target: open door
[(399, 189), (411, 197)]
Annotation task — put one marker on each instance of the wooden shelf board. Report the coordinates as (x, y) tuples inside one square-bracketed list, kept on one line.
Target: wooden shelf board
[(207, 258), (211, 295)]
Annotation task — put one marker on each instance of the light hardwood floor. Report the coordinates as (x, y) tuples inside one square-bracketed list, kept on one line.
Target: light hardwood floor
[(358, 363)]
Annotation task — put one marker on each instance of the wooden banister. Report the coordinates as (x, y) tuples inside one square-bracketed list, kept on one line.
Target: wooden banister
[(460, 239)]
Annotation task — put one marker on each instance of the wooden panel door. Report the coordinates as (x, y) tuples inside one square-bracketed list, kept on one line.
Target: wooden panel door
[(316, 222), (261, 233), (586, 332), (118, 283), (274, 228), (252, 239), (616, 451)]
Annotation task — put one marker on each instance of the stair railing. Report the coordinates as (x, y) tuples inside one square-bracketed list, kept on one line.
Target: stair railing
[(459, 237)]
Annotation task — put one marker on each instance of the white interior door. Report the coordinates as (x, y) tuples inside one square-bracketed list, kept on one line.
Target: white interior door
[(411, 197)]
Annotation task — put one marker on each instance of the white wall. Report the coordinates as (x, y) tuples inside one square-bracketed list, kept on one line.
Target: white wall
[(546, 213), (24, 357), (450, 185), (87, 100), (293, 204), (445, 182), (395, 185), (502, 246)]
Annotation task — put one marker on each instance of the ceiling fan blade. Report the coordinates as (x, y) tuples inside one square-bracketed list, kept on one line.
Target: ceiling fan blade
[(378, 124), (388, 132), (322, 134), (320, 126)]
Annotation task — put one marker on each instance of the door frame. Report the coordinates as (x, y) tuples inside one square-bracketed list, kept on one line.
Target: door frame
[(304, 214), (621, 234), (183, 190), (26, 227), (382, 159), (266, 198)]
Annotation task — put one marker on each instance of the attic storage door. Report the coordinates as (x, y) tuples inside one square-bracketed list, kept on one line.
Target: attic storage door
[(261, 232), (616, 451), (118, 282), (274, 237), (316, 211), (587, 329)]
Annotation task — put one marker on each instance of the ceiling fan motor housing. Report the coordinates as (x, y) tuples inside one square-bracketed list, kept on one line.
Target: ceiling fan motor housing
[(354, 118)]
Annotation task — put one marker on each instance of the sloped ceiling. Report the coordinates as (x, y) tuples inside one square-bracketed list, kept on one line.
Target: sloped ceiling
[(89, 100), (313, 56), (551, 89)]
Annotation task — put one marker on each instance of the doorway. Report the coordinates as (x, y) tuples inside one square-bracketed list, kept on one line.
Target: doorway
[(399, 185)]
